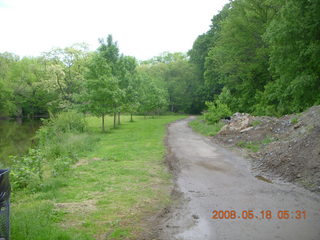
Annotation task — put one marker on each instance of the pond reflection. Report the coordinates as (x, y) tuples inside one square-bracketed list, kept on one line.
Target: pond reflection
[(16, 137)]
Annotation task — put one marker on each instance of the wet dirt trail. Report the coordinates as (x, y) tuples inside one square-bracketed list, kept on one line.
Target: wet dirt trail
[(209, 177)]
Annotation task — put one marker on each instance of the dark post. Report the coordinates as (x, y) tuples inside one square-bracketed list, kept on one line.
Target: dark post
[(5, 190)]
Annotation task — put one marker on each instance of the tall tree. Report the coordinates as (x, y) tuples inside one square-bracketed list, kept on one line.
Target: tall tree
[(294, 39), (205, 88), (102, 92), (240, 58)]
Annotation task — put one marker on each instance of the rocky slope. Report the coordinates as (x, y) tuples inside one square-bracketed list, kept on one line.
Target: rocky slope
[(287, 148)]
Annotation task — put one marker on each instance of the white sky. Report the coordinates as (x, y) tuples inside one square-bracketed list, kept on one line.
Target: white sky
[(142, 28)]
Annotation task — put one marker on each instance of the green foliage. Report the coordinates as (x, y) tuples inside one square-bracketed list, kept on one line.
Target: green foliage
[(63, 122), (174, 76), (265, 53), (63, 136), (61, 140), (294, 120), (113, 180), (27, 170), (204, 128), (255, 147), (216, 111), (153, 98), (61, 166), (268, 140), (38, 221), (255, 123), (294, 53)]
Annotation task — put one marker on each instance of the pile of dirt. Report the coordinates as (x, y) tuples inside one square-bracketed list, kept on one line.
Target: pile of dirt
[(286, 147)]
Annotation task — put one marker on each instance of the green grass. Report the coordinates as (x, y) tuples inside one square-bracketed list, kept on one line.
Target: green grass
[(108, 194), (294, 120), (202, 127), (255, 123), (255, 147), (268, 140)]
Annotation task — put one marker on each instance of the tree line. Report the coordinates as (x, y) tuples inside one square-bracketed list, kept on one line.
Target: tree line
[(259, 56)]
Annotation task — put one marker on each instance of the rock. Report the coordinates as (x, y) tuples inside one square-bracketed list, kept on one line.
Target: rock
[(297, 125), (246, 129), (195, 216)]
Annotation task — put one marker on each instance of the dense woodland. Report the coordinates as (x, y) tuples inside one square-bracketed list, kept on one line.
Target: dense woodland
[(259, 56)]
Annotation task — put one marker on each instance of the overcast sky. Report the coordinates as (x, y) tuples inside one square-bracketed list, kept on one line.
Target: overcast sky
[(142, 28)]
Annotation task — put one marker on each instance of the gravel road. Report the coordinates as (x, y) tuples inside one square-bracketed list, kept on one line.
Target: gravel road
[(209, 177)]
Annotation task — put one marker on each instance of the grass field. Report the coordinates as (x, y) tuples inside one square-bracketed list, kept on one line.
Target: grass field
[(108, 194)]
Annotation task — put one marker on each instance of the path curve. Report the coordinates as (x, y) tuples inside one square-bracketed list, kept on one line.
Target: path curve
[(209, 177)]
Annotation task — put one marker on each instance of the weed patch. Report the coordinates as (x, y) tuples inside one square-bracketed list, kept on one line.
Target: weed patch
[(205, 128)]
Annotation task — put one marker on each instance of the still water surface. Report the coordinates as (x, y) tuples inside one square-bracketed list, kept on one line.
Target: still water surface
[(16, 137)]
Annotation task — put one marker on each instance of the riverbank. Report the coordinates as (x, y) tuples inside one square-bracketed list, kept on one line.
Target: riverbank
[(109, 193)]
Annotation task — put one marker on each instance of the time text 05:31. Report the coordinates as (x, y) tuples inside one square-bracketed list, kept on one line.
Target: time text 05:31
[(264, 214)]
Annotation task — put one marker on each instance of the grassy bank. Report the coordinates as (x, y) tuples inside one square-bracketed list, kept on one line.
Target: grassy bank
[(108, 194), (207, 129)]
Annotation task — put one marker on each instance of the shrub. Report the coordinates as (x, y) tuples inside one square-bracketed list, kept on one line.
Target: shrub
[(64, 122), (294, 120), (60, 141), (216, 111), (26, 170), (62, 135), (61, 166)]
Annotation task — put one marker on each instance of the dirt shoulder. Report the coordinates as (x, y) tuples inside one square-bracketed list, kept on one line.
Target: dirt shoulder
[(287, 148)]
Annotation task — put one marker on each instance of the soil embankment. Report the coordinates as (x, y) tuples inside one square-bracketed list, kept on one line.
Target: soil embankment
[(286, 148)]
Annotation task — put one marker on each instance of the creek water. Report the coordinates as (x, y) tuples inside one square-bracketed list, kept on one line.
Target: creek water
[(16, 137)]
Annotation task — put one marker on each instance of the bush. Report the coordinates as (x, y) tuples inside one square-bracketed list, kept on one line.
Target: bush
[(26, 170), (216, 111), (62, 135), (61, 166), (64, 122), (60, 141), (294, 120)]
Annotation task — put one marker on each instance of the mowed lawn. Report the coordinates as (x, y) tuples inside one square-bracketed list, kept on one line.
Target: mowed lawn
[(110, 193)]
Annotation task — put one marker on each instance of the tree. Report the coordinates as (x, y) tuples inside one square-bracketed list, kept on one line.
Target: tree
[(71, 61), (31, 93), (239, 59), (128, 82), (7, 106), (102, 92), (109, 51), (293, 36), (153, 98), (174, 73)]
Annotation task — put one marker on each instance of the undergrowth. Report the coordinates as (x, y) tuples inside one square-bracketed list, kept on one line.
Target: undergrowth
[(205, 128)]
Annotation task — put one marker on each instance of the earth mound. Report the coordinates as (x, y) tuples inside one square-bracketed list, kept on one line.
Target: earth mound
[(286, 147)]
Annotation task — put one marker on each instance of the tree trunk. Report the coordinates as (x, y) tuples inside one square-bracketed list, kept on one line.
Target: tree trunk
[(103, 130), (131, 120), (118, 118), (114, 119)]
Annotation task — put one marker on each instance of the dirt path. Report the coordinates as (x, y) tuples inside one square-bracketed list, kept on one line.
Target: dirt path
[(209, 178)]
